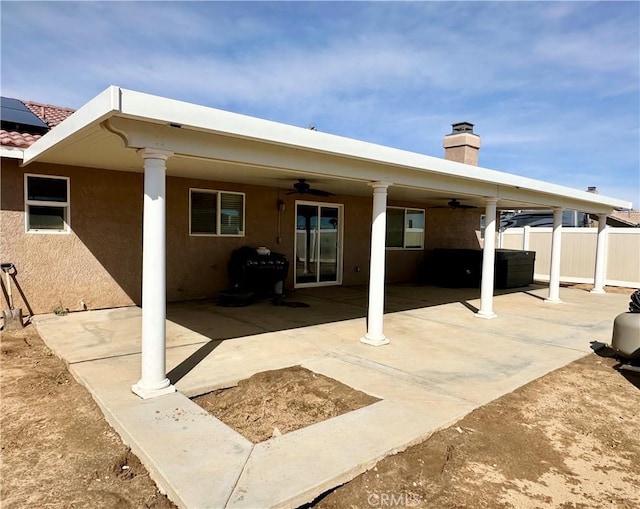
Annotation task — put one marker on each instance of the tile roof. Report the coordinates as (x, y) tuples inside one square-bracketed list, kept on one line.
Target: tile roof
[(16, 139), (51, 115), (628, 216)]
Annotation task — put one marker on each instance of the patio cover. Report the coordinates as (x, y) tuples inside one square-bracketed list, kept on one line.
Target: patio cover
[(130, 131), (218, 145)]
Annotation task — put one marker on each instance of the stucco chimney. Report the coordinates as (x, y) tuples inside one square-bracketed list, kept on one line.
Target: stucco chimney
[(462, 145)]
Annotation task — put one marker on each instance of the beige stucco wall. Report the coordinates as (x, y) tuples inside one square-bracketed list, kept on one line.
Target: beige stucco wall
[(99, 261), (453, 228)]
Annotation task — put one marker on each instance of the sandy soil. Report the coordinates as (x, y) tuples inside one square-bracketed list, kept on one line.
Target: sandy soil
[(609, 289), (570, 439), (57, 450), (281, 401)]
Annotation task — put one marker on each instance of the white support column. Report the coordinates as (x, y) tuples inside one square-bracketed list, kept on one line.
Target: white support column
[(488, 261), (601, 255), (556, 247), (375, 315), (154, 381), (526, 235)]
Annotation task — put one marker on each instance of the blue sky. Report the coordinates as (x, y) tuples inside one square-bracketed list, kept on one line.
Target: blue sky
[(552, 87)]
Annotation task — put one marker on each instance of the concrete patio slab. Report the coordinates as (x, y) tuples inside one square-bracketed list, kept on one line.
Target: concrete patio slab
[(442, 363)]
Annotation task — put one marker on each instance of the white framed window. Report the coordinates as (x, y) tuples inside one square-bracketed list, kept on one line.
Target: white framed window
[(46, 203), (405, 228), (216, 213)]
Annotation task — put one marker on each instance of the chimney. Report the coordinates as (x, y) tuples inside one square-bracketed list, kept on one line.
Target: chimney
[(462, 145), (592, 189)]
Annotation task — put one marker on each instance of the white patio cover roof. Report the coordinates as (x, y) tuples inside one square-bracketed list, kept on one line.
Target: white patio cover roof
[(218, 145)]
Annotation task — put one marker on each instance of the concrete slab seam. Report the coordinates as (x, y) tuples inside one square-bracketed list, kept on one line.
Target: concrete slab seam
[(235, 485), (390, 370), (500, 334)]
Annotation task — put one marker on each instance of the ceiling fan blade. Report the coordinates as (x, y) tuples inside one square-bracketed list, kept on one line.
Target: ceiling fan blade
[(319, 192), (454, 203)]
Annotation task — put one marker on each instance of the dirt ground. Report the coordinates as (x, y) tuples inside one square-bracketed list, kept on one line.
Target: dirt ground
[(57, 450), (570, 439), (609, 289), (283, 400)]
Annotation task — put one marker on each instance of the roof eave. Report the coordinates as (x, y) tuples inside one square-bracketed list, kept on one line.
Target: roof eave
[(115, 101), (11, 152), (170, 111), (95, 111)]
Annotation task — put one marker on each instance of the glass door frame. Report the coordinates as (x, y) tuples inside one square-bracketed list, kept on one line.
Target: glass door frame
[(339, 244)]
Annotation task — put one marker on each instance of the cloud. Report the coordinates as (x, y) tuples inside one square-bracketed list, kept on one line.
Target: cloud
[(551, 86)]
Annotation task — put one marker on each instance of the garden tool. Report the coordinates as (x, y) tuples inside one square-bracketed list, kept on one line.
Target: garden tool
[(12, 316)]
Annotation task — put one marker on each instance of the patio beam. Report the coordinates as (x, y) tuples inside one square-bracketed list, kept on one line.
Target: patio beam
[(556, 246), (601, 253), (154, 381), (375, 314), (488, 261)]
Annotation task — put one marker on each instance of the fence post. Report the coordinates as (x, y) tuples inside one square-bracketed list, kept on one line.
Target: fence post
[(601, 256), (525, 238)]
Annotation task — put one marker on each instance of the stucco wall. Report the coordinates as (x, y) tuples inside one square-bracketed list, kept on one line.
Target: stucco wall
[(99, 261), (453, 228), (197, 266)]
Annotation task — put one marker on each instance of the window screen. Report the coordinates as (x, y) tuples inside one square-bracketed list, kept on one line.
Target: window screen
[(46, 218), (414, 229), (46, 204), (216, 213), (204, 207), (46, 189), (405, 228), (395, 230), (231, 214)]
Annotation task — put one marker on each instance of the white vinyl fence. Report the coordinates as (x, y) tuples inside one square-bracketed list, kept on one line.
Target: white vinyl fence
[(579, 253)]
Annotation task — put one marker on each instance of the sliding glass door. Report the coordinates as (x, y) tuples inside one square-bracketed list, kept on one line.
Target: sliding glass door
[(318, 244)]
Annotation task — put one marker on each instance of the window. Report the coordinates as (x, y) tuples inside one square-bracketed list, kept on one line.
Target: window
[(216, 213), (405, 228), (46, 204)]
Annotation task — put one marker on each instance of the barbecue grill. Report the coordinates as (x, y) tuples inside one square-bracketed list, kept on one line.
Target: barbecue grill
[(255, 273)]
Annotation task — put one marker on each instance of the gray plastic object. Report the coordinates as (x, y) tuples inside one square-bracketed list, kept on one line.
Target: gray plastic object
[(626, 330)]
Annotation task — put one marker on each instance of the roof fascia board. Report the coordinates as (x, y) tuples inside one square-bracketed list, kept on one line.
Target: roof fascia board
[(379, 162), (406, 169), (170, 111), (11, 152), (201, 145), (542, 200), (95, 111)]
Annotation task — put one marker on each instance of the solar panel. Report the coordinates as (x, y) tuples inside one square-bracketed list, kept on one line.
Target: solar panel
[(15, 116)]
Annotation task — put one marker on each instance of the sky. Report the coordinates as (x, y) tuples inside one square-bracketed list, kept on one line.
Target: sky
[(553, 88)]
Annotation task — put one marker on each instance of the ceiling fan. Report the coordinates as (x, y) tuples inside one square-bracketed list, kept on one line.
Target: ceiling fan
[(302, 187), (454, 203)]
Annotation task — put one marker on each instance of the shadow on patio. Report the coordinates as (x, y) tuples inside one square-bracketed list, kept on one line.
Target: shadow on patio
[(325, 305), (441, 363)]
